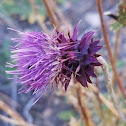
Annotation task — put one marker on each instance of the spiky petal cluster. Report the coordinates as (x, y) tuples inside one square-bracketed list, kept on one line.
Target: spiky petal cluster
[(42, 59), (83, 56)]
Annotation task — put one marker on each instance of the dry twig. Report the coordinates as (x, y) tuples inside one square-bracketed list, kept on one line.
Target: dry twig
[(38, 16), (85, 112), (116, 52), (99, 100), (9, 120), (99, 5), (109, 104), (12, 113), (8, 100), (109, 86), (123, 74), (51, 13), (61, 16)]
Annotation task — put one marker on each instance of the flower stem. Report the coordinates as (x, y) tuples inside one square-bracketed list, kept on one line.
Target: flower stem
[(51, 13), (13, 114), (109, 86), (38, 16), (62, 18), (99, 5), (99, 100), (116, 52), (85, 112), (108, 103)]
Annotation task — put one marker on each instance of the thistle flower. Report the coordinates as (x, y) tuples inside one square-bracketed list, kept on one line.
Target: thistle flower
[(41, 59), (84, 53)]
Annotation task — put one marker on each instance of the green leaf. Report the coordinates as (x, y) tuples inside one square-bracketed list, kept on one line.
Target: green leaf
[(65, 115), (116, 26)]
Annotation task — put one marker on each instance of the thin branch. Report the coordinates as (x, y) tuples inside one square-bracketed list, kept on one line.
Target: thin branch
[(116, 50), (99, 100), (26, 111), (123, 74), (12, 113), (99, 5), (9, 120), (109, 104), (61, 16), (109, 86), (8, 100), (85, 112), (8, 20), (38, 16), (116, 45), (107, 76), (51, 13)]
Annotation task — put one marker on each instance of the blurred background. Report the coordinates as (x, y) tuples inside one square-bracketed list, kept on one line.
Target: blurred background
[(57, 108)]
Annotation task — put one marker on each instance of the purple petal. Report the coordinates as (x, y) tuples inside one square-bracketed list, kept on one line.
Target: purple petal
[(93, 49), (88, 78), (94, 43), (75, 33), (87, 34), (90, 59), (82, 78), (85, 40), (67, 84), (90, 71)]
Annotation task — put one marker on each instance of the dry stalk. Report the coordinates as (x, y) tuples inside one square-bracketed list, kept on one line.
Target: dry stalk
[(61, 16), (85, 112), (8, 20), (51, 13), (109, 104), (107, 76), (108, 82), (116, 45), (123, 74), (99, 5), (9, 120), (12, 113), (99, 100), (38, 16), (8, 100), (116, 53)]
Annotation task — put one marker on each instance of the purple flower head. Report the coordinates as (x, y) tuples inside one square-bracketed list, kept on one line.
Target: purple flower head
[(83, 56), (41, 59)]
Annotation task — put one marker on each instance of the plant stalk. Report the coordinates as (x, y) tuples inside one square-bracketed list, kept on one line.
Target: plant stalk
[(99, 5)]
